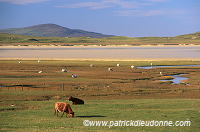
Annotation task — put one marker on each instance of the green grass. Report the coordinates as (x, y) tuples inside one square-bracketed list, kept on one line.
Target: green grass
[(39, 115), (117, 40)]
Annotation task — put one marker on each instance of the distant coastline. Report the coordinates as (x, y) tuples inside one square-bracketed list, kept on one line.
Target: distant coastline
[(88, 45)]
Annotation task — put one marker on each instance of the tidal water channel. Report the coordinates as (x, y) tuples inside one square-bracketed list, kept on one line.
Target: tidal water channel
[(177, 79)]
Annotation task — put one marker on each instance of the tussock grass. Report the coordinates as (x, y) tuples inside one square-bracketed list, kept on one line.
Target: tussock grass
[(97, 80)]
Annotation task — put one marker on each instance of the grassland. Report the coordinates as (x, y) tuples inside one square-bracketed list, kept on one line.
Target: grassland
[(9, 39), (39, 115), (122, 94)]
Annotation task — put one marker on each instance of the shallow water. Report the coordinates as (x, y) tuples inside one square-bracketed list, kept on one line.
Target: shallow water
[(105, 52), (177, 78), (149, 67)]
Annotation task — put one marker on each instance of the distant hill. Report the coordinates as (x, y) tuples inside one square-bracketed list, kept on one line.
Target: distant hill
[(190, 36), (52, 30)]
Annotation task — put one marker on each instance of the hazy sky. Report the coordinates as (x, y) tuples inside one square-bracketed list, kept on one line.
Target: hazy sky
[(133, 18)]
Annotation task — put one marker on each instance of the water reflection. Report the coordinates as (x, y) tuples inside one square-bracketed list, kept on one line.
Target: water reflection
[(177, 79)]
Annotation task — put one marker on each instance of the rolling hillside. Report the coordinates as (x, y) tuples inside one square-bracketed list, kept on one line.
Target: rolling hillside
[(41, 32), (190, 36)]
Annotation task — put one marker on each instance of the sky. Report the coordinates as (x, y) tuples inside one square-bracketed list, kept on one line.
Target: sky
[(132, 18)]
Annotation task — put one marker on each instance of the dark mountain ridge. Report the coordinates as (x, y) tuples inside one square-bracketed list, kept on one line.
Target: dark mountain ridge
[(52, 30)]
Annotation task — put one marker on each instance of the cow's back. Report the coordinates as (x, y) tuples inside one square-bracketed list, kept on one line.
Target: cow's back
[(59, 106), (76, 100)]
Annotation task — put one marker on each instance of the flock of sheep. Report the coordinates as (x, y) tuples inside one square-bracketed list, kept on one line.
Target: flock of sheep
[(91, 65), (76, 76)]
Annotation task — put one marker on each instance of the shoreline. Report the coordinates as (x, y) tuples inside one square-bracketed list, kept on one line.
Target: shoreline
[(97, 46), (101, 59)]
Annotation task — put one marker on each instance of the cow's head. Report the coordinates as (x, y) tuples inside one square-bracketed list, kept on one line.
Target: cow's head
[(71, 98), (72, 114)]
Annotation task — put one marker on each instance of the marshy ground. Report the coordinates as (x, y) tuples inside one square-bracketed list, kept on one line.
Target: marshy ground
[(27, 96), (97, 82)]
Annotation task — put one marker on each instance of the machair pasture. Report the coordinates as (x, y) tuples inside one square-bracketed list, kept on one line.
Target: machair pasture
[(27, 97)]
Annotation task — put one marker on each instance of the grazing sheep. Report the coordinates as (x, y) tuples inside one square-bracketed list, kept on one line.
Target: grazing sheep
[(132, 66), (160, 73), (63, 107), (91, 65), (40, 72), (74, 76), (110, 69), (76, 101), (64, 70), (118, 65)]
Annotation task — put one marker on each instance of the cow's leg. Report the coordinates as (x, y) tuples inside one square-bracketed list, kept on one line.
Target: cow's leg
[(56, 112), (62, 113)]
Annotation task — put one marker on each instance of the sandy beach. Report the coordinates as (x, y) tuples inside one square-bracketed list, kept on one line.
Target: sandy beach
[(101, 53)]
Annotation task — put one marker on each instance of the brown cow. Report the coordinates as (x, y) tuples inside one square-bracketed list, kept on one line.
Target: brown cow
[(76, 100), (63, 107)]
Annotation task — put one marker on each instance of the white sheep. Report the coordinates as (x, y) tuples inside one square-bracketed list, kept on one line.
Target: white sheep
[(74, 76), (118, 65), (40, 72), (110, 69), (64, 70)]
